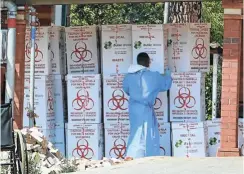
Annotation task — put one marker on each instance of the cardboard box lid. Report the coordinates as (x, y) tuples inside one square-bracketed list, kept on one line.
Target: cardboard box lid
[(196, 125), (145, 27), (120, 27), (77, 76)]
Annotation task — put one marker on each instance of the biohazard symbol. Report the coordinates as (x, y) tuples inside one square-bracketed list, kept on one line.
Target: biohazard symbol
[(162, 148), (157, 104), (184, 99), (83, 150), (81, 53), (199, 50), (37, 53), (119, 149), (82, 101), (50, 101), (118, 101)]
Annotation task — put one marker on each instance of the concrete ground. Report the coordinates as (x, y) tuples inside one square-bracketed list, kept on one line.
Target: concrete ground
[(175, 165)]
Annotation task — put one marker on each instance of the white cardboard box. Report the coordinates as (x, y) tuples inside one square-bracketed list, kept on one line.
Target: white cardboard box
[(44, 101), (59, 141), (85, 141), (43, 65), (115, 100), (82, 50), (190, 139), (58, 98), (213, 136), (57, 39), (199, 42), (186, 97), (161, 107), (241, 135), (149, 39), (116, 138), (84, 98), (116, 48), (189, 48), (165, 139)]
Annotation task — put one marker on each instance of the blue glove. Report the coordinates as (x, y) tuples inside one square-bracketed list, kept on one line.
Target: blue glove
[(167, 72)]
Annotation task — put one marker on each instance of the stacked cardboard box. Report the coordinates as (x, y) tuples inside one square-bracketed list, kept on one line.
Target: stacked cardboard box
[(49, 95), (184, 48), (152, 39), (188, 55), (213, 136), (84, 129), (116, 58)]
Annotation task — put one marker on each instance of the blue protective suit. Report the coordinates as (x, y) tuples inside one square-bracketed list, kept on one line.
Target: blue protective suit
[(143, 87)]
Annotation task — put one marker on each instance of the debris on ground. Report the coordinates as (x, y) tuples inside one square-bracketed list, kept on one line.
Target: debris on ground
[(43, 157)]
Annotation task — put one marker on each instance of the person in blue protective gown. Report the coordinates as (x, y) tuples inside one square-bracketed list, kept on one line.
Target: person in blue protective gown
[(143, 86)]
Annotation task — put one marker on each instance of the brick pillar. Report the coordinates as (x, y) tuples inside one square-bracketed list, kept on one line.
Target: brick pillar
[(230, 84), (19, 74)]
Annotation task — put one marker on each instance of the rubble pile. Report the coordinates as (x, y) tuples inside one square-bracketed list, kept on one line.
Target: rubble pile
[(49, 160)]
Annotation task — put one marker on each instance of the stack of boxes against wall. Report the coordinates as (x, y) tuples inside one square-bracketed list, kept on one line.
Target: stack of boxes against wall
[(166, 45), (49, 91), (94, 98), (84, 132), (189, 56)]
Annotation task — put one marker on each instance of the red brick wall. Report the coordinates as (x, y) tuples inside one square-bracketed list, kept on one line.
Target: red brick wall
[(241, 69), (232, 3), (231, 69)]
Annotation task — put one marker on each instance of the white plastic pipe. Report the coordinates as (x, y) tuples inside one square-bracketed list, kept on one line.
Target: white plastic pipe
[(58, 15), (215, 86), (32, 66), (11, 46)]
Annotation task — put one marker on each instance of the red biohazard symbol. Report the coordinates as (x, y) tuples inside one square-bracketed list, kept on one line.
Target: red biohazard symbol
[(118, 100), (81, 53), (83, 150), (164, 152), (119, 149), (184, 99), (157, 104), (199, 50), (37, 53), (50, 101), (82, 101)]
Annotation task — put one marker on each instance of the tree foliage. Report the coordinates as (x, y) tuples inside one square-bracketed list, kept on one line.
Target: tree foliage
[(152, 13), (102, 14), (212, 12)]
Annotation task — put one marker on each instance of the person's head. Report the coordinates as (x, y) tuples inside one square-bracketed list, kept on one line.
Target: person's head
[(143, 59)]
